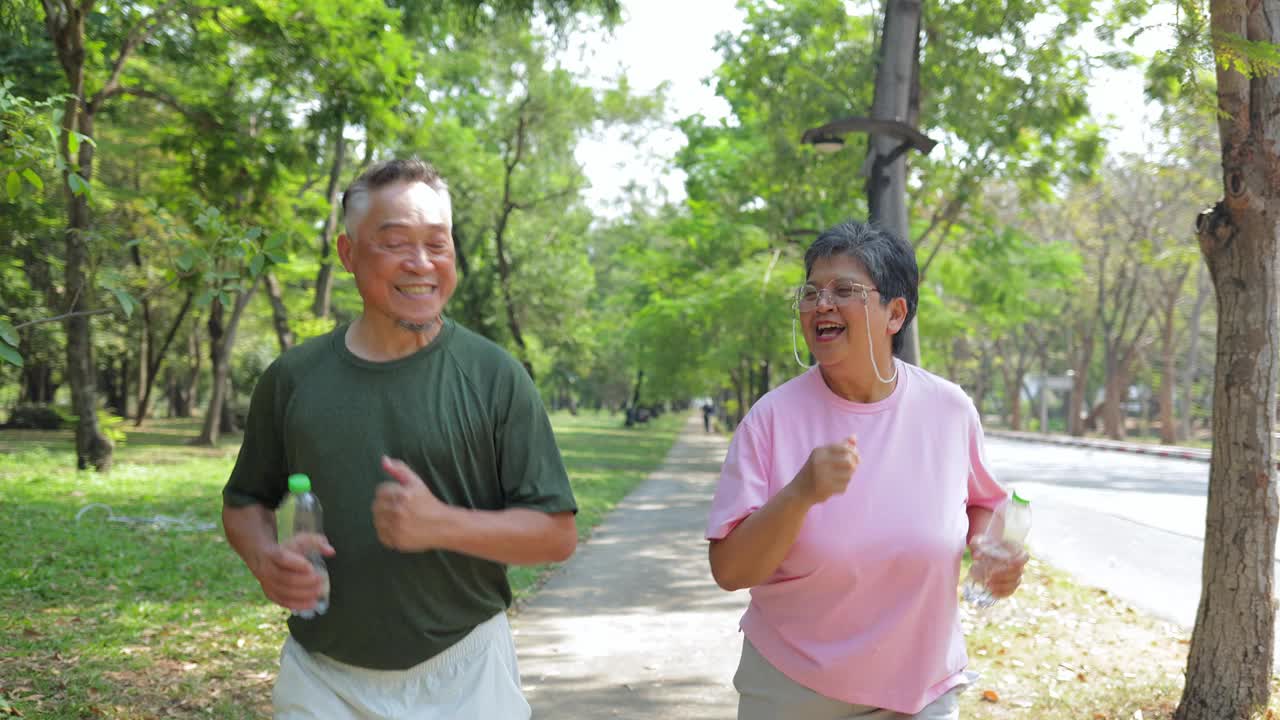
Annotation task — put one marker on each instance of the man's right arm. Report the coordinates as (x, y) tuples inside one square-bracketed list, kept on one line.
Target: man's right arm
[(285, 574)]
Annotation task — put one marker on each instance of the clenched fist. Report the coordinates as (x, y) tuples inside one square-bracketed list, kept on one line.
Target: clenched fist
[(828, 470), (406, 514)]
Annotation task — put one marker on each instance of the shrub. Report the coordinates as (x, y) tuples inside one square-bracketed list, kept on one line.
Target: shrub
[(31, 416)]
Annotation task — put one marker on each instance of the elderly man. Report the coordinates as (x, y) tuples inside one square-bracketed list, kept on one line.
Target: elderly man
[(434, 459)]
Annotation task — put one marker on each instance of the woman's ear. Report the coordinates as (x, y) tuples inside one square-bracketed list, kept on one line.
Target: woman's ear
[(897, 315)]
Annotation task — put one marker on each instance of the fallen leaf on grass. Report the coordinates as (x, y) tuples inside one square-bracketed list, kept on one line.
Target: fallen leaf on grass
[(991, 696)]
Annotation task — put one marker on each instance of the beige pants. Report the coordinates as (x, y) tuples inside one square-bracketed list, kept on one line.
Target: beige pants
[(475, 678), (765, 693)]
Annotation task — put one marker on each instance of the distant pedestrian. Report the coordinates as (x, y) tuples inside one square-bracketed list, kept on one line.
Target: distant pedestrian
[(708, 412), (845, 504)]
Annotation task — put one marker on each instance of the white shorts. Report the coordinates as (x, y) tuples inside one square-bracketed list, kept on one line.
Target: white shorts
[(474, 678), (765, 693)]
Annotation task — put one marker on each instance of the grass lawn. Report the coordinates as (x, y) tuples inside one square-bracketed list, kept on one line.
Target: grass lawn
[(117, 620)]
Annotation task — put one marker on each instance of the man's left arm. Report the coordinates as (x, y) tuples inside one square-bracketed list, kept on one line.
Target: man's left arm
[(410, 518)]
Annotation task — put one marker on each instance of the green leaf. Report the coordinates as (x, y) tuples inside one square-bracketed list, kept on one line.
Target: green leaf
[(10, 354), (184, 262), (8, 334), (77, 183), (13, 184), (73, 143), (256, 264), (125, 300), (34, 179)]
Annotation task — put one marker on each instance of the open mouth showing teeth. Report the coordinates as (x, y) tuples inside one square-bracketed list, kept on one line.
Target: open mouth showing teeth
[(829, 330), (416, 291)]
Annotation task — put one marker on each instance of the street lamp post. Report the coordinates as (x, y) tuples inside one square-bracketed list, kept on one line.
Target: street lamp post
[(886, 180)]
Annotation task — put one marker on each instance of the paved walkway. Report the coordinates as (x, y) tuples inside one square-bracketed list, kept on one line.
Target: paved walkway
[(634, 626)]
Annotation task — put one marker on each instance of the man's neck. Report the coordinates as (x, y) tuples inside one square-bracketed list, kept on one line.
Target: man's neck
[(389, 340)]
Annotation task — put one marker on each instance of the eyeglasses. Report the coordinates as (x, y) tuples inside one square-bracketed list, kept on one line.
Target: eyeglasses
[(840, 291)]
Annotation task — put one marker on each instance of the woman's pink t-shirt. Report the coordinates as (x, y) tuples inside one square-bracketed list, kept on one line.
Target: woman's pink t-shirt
[(864, 606)]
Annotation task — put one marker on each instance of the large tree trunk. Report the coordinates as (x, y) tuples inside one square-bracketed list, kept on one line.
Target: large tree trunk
[(221, 340), (887, 182), (1230, 661), (324, 279), (66, 30)]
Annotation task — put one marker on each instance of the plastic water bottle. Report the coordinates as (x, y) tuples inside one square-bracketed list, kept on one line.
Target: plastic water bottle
[(1001, 542), (302, 515)]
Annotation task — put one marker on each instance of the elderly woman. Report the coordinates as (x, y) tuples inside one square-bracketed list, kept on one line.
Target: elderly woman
[(845, 504)]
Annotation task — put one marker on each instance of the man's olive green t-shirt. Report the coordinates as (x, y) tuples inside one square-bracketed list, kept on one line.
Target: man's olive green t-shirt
[(464, 415)]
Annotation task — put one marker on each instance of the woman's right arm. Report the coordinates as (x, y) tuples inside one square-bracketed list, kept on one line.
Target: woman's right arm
[(753, 550)]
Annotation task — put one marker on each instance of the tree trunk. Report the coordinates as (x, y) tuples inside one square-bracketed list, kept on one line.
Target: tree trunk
[(1113, 412), (887, 182), (1081, 359), (510, 161), (157, 359), (221, 340), (324, 279), (66, 30), (191, 391), (1192, 368), (279, 314), (37, 382), (1230, 661), (145, 357), (984, 372), (1168, 376)]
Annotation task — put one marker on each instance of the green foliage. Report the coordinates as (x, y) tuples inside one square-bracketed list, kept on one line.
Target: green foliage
[(110, 425), (28, 140), (9, 344)]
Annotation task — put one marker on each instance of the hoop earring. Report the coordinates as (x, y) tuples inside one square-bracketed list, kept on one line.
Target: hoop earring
[(795, 345), (871, 350)]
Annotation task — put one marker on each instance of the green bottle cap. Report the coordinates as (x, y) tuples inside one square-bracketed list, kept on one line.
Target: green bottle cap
[(299, 483), (1018, 499)]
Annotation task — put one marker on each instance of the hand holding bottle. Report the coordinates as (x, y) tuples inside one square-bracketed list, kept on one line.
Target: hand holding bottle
[(998, 554)]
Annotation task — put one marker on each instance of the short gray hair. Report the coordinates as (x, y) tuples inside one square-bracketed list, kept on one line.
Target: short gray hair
[(887, 258), (355, 200)]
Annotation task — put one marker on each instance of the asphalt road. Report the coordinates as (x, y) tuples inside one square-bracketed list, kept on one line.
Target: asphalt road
[(1131, 524)]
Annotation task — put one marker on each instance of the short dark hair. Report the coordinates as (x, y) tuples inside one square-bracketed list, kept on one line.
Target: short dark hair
[(380, 175), (887, 258)]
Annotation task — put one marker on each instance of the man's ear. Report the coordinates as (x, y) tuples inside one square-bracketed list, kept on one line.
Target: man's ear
[(344, 250)]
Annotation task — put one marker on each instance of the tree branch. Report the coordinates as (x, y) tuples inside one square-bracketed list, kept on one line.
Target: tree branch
[(136, 36), (200, 118)]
